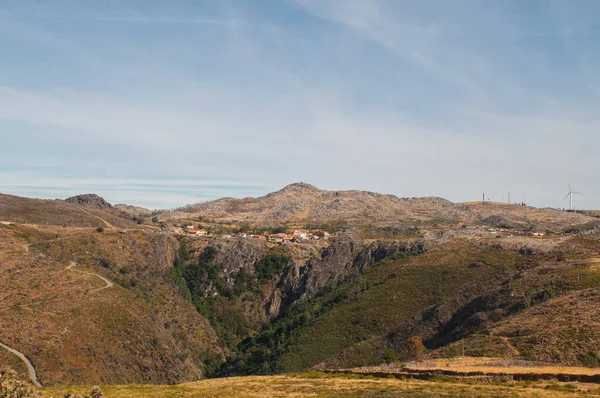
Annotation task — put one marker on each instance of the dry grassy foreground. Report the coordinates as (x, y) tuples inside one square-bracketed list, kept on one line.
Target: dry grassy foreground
[(322, 385), (496, 366)]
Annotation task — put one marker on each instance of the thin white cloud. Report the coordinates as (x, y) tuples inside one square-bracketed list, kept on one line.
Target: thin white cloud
[(251, 109), (390, 30), (126, 19)]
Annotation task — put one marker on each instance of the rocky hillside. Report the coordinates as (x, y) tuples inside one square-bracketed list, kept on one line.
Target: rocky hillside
[(180, 307), (90, 200), (134, 211), (302, 204), (86, 305), (536, 305), (58, 212)]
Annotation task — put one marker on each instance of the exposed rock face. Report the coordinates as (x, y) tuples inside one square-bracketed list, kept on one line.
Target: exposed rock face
[(90, 200), (242, 253), (308, 271), (337, 262)]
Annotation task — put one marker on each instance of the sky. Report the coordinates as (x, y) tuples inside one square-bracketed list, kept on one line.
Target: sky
[(162, 104)]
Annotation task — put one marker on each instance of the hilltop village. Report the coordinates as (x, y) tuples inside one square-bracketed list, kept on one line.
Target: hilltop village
[(296, 236)]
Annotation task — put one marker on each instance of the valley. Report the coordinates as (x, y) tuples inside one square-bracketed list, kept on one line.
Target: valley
[(97, 294)]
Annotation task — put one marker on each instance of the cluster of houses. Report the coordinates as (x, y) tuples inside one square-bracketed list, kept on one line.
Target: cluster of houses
[(516, 232), (191, 230), (295, 236)]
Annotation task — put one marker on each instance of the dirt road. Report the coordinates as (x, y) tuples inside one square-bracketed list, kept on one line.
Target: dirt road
[(108, 283), (27, 362)]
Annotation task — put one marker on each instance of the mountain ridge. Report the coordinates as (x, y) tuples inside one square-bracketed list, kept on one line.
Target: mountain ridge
[(302, 204)]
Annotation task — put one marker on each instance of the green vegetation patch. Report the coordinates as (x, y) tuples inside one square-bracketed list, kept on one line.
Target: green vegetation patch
[(222, 298), (361, 308)]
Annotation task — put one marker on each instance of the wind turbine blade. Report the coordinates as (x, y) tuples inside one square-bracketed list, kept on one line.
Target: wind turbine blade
[(569, 186), (567, 195), (579, 193)]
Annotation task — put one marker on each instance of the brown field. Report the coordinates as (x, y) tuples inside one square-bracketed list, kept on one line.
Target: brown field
[(495, 366), (323, 385)]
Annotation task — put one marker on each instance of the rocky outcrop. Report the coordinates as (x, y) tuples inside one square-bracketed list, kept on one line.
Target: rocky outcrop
[(90, 200), (239, 253), (343, 259), (309, 269)]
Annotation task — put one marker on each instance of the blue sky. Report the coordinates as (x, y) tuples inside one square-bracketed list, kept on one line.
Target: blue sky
[(161, 104)]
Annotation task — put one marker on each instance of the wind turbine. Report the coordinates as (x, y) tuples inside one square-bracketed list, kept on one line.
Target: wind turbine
[(570, 196)]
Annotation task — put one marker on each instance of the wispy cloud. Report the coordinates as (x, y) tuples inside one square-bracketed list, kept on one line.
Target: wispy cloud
[(178, 103), (155, 193), (125, 19)]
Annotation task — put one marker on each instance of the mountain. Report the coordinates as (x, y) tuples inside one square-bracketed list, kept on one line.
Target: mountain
[(89, 200), (89, 295), (302, 204)]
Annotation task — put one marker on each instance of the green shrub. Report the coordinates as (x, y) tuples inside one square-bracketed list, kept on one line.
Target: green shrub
[(104, 262), (270, 265), (12, 387), (589, 359), (389, 355), (96, 393)]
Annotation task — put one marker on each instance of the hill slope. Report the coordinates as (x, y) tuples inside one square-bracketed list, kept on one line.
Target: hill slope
[(76, 328), (302, 204), (58, 212), (182, 307)]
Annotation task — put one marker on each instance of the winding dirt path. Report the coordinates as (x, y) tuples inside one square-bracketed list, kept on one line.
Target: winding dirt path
[(71, 265), (20, 355), (109, 225), (108, 283), (26, 361), (70, 268)]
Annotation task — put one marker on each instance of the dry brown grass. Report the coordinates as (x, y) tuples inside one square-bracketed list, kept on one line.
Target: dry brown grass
[(57, 212), (316, 384), (8, 360), (300, 204), (493, 366), (72, 333)]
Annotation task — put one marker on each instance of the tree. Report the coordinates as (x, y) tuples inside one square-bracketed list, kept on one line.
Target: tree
[(590, 359), (389, 355), (279, 230), (270, 265)]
